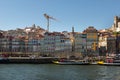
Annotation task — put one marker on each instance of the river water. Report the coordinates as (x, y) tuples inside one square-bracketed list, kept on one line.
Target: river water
[(58, 72)]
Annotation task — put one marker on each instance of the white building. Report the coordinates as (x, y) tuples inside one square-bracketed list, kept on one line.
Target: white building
[(55, 42), (116, 25)]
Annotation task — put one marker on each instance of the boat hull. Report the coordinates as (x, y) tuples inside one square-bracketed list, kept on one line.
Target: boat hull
[(71, 63), (111, 64)]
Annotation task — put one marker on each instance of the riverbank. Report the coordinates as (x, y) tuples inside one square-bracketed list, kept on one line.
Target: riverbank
[(41, 60)]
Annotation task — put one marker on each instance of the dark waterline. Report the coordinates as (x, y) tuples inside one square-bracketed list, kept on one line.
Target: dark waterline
[(58, 72)]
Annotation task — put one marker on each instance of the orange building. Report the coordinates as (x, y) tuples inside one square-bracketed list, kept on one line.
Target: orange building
[(92, 40)]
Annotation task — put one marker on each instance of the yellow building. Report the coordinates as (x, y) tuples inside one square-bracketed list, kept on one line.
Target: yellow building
[(92, 39)]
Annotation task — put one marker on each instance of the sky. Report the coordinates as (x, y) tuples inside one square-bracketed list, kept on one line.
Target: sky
[(79, 14)]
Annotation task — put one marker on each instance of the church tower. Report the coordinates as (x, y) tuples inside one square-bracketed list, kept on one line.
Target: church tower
[(116, 22)]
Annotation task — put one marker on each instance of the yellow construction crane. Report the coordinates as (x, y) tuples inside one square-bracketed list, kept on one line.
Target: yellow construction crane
[(48, 17)]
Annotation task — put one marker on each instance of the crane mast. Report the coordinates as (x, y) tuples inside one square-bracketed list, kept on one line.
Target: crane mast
[(48, 17)]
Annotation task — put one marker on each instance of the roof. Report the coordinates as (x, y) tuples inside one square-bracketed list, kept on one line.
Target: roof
[(90, 29)]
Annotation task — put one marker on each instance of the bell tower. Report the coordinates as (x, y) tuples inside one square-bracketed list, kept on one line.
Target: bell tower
[(116, 21)]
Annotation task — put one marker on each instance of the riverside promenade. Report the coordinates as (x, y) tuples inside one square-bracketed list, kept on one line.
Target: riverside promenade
[(22, 60)]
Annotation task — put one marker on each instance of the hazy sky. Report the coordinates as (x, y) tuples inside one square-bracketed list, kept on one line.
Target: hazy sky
[(78, 13)]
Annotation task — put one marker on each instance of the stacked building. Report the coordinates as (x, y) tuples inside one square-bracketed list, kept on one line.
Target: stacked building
[(109, 39), (91, 42)]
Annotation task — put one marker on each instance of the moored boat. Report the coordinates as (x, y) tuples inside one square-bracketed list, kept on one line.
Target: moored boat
[(111, 64), (72, 62), (100, 62), (110, 61), (108, 64), (3, 60)]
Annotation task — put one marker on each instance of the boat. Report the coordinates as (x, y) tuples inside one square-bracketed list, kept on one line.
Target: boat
[(110, 61), (71, 62), (100, 62), (108, 64), (111, 64), (3, 60)]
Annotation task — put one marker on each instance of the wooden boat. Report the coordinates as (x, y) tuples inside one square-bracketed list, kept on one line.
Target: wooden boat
[(3, 60), (72, 62), (101, 62), (111, 64), (111, 61)]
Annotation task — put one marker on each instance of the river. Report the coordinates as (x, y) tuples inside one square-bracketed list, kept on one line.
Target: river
[(58, 72)]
